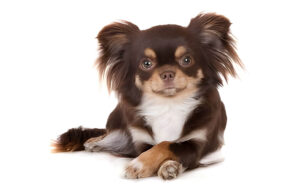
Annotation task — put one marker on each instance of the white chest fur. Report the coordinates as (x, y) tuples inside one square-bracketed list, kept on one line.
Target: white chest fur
[(167, 116)]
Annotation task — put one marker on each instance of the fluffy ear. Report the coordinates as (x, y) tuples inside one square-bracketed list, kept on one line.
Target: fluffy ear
[(113, 40), (213, 31)]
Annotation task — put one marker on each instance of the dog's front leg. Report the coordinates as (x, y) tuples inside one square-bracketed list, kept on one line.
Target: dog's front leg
[(166, 159), (148, 163)]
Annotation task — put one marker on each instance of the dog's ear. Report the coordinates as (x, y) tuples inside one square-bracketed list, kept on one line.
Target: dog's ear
[(113, 40), (213, 32)]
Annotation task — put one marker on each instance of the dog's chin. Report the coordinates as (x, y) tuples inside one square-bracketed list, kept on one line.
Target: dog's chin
[(169, 92)]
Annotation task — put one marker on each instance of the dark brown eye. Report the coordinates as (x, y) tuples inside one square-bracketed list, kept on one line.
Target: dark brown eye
[(186, 61), (146, 64)]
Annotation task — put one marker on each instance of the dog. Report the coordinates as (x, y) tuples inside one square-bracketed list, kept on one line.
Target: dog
[(169, 114)]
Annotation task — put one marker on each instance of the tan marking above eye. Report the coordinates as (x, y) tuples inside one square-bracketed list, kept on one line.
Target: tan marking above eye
[(180, 51), (149, 53)]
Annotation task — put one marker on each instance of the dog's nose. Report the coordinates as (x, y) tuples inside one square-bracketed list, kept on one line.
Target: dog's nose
[(167, 76)]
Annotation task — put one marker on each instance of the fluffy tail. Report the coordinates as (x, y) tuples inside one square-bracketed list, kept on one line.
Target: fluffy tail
[(73, 139)]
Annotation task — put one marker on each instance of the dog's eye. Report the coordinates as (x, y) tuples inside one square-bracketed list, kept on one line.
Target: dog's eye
[(146, 64), (186, 61)]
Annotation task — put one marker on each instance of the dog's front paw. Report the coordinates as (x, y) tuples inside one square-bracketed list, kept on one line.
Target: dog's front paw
[(169, 170), (92, 144), (137, 169)]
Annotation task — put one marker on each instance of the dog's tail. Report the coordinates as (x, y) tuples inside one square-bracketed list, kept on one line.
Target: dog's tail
[(73, 139)]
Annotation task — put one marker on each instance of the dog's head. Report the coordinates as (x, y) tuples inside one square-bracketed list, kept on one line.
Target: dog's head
[(166, 60)]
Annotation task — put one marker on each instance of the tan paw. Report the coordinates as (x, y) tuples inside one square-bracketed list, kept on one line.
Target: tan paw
[(137, 169), (170, 169)]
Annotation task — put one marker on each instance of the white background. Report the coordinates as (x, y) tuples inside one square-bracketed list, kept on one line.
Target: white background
[(48, 84)]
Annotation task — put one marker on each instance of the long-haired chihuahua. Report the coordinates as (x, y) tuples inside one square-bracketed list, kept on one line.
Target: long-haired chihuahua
[(169, 114)]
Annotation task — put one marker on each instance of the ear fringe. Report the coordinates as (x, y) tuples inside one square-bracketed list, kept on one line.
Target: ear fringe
[(225, 59), (108, 71), (113, 39), (214, 32)]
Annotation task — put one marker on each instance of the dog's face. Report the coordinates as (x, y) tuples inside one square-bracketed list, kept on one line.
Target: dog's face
[(166, 60)]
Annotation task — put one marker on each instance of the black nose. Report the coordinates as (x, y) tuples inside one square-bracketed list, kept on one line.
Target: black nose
[(167, 76)]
